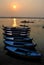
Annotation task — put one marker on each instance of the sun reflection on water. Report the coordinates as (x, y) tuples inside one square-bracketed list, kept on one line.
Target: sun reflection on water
[(14, 23)]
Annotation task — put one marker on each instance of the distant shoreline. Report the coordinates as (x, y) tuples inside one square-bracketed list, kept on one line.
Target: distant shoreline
[(25, 17)]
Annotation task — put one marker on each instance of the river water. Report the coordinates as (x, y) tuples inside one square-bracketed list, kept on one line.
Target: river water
[(37, 32)]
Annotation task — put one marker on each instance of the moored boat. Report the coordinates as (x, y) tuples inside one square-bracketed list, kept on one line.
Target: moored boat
[(24, 53), (18, 39), (20, 44)]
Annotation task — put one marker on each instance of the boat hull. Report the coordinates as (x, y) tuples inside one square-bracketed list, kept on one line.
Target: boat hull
[(18, 39), (20, 44), (24, 54)]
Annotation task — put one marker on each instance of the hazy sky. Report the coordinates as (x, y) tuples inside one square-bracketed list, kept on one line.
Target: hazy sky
[(23, 8)]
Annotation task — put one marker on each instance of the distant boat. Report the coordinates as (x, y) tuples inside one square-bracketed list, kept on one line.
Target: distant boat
[(42, 26), (24, 21), (24, 26)]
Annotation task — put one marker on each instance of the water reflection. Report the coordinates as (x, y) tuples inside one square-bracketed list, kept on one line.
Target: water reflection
[(14, 23)]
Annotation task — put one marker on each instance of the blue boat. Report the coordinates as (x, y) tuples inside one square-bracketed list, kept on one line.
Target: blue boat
[(24, 53), (18, 39), (20, 44)]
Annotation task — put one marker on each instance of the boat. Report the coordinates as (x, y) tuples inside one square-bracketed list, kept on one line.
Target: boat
[(11, 35), (42, 26), (18, 39), (25, 26), (22, 31), (28, 54), (18, 29), (24, 21), (18, 33), (20, 44)]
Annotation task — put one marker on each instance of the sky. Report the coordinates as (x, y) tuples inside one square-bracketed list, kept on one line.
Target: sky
[(24, 8)]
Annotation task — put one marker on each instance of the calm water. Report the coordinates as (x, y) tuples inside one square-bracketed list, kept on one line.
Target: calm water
[(37, 32)]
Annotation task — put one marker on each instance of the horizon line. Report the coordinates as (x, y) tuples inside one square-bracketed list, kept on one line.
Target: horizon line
[(23, 17)]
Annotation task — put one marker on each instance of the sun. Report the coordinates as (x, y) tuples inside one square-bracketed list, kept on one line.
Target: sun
[(14, 6)]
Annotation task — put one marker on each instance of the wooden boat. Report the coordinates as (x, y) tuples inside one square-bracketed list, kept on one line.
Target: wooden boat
[(25, 21), (29, 54), (20, 44), (15, 35), (24, 26), (15, 28), (17, 32), (22, 32), (10, 35), (18, 39)]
